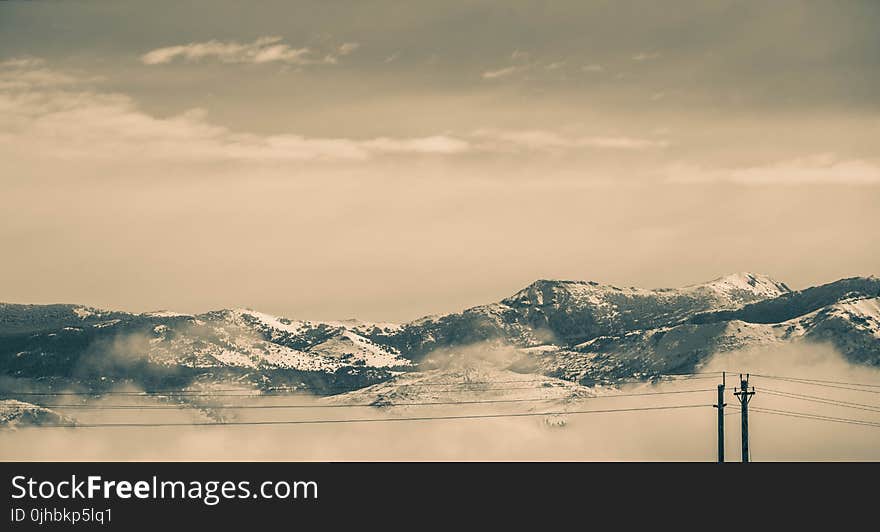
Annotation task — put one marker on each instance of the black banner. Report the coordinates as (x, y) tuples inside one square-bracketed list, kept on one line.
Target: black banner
[(134, 496)]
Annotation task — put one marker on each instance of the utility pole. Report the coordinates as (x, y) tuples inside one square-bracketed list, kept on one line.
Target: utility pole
[(720, 406), (744, 396)]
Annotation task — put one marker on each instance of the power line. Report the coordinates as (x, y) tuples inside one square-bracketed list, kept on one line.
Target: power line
[(374, 404), (263, 396), (823, 400), (259, 393), (686, 376), (465, 387), (816, 380), (817, 417), (195, 393), (810, 383), (368, 420)]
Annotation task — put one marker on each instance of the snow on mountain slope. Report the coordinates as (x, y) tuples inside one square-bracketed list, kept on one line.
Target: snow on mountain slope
[(277, 326), (470, 387), (16, 414), (464, 383), (261, 321), (244, 338), (22, 319), (735, 289), (166, 314), (578, 330), (852, 326), (794, 304), (740, 288), (566, 313), (359, 350), (863, 313)]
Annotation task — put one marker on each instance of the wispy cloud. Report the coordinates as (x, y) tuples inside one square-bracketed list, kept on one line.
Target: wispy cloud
[(549, 140), (26, 72), (22, 62), (816, 169), (347, 48), (503, 72), (263, 50), (645, 56), (522, 62), (45, 113)]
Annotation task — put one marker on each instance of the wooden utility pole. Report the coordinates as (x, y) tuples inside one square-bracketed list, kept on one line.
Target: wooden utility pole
[(720, 406), (744, 396)]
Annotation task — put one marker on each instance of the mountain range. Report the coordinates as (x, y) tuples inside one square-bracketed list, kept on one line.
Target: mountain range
[(580, 331)]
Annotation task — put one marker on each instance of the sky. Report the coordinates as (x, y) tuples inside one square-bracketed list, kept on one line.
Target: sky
[(388, 160)]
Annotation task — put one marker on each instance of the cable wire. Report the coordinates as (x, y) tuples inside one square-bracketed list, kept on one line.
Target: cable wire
[(366, 420), (361, 405), (247, 393), (798, 381), (822, 400), (259, 394), (817, 417), (816, 380)]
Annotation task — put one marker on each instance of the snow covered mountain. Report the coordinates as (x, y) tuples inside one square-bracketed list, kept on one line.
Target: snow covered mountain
[(249, 339), (580, 331), (844, 314), (566, 313)]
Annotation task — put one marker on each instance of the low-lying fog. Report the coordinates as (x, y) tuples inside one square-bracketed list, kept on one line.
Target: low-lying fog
[(684, 434)]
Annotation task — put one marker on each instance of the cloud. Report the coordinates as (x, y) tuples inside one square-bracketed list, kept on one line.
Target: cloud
[(347, 48), (549, 140), (25, 72), (674, 435), (594, 67), (524, 62), (22, 62), (263, 50), (823, 168), (503, 72), (50, 114), (440, 144), (47, 113), (645, 56)]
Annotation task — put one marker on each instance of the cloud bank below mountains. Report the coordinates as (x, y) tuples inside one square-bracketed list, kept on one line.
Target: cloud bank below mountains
[(683, 435)]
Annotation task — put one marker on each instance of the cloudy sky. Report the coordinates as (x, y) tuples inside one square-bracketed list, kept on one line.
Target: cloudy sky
[(387, 160)]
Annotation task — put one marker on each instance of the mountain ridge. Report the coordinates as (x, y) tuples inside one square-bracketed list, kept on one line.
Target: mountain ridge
[(582, 331)]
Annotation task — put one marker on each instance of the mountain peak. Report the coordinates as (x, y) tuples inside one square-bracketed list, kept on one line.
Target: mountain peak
[(756, 283)]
